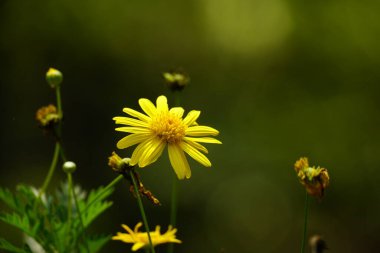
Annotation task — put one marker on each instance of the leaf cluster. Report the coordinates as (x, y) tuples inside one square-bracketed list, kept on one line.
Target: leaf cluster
[(46, 223)]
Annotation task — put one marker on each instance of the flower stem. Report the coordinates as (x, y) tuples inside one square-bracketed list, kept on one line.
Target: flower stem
[(110, 185), (60, 113), (69, 207), (53, 165), (80, 220), (305, 223), (140, 204)]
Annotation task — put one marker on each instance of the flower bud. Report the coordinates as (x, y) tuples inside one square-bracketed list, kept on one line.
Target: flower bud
[(69, 167), (54, 77), (317, 244), (176, 80)]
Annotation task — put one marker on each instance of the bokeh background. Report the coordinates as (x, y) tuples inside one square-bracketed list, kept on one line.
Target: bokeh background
[(279, 79)]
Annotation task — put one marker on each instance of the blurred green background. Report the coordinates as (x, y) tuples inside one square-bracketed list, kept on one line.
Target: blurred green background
[(279, 79)]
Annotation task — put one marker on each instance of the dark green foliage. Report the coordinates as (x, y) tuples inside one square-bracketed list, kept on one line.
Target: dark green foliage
[(45, 219), (5, 245)]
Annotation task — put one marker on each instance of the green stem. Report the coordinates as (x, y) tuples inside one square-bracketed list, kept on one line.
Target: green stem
[(110, 185), (145, 221), (59, 102), (53, 165), (80, 220), (60, 115), (69, 207), (305, 223)]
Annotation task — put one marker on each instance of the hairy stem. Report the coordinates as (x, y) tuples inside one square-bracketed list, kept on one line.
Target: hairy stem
[(141, 207), (305, 223)]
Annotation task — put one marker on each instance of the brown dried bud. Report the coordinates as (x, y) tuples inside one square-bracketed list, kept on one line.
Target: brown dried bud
[(47, 116), (176, 80)]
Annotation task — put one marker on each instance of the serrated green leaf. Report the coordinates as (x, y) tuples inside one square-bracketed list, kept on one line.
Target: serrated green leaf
[(94, 211), (95, 205), (95, 243), (5, 245), (9, 199), (20, 222)]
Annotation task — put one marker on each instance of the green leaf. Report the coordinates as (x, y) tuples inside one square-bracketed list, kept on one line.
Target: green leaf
[(19, 222), (5, 245), (8, 198), (95, 205), (95, 243)]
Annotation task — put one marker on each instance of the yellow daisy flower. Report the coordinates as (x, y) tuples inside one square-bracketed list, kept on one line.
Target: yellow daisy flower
[(140, 239), (160, 127)]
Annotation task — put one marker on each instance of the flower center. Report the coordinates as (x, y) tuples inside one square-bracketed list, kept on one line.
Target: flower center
[(168, 127)]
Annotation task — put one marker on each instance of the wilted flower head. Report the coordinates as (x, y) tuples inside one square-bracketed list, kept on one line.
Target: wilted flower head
[(176, 80), (140, 239), (117, 163), (314, 179), (161, 127), (47, 116)]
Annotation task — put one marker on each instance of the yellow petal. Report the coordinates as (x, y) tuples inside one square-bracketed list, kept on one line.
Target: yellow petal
[(133, 130), (136, 114), (197, 145), (130, 121), (152, 151), (191, 117), (178, 111), (178, 161), (148, 107), (162, 104), (195, 154), (137, 246), (131, 140), (139, 151), (127, 229), (203, 139), (201, 131)]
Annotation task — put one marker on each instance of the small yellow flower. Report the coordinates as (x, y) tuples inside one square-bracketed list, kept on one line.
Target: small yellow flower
[(161, 127), (314, 179), (140, 239)]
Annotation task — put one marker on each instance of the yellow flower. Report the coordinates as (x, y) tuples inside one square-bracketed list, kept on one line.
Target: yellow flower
[(161, 126), (314, 179), (140, 239)]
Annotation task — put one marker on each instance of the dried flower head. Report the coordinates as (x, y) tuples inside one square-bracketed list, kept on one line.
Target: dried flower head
[(162, 127), (176, 80), (47, 116), (117, 163), (140, 239), (314, 179)]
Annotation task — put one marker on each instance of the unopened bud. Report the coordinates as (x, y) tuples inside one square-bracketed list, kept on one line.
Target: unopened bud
[(54, 77), (69, 167), (317, 244)]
